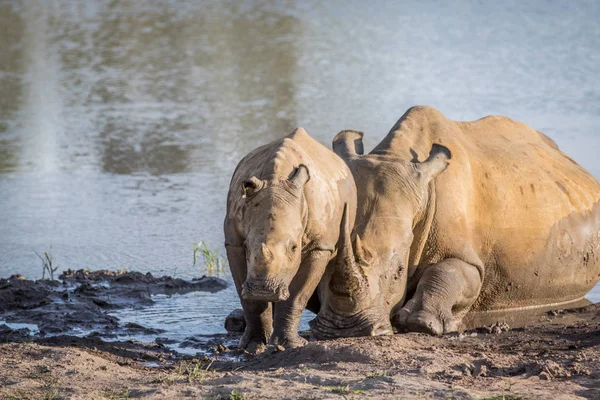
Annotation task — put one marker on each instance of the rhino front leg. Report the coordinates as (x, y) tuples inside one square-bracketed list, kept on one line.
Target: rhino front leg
[(444, 294), (258, 314), (302, 287)]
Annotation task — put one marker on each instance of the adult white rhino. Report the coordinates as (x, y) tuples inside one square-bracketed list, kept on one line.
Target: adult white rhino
[(496, 219)]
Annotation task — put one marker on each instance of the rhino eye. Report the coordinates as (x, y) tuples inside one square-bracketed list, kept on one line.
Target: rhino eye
[(294, 248)]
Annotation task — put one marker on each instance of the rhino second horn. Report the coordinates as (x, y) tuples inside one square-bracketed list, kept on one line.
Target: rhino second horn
[(363, 255)]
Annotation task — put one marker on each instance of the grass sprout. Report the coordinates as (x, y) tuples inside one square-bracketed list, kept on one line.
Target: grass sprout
[(47, 264), (210, 258)]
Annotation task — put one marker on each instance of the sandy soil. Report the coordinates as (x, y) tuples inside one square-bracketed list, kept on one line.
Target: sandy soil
[(558, 358), (555, 356)]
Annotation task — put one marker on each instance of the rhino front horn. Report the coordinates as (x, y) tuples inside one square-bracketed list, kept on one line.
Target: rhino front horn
[(348, 271)]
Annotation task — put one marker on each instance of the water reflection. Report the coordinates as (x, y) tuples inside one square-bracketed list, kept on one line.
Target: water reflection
[(11, 69), (131, 87)]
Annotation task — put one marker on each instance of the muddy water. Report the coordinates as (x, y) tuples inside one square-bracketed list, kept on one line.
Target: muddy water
[(121, 122)]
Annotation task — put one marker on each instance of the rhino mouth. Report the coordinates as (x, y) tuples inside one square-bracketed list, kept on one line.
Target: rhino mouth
[(265, 290), (328, 325)]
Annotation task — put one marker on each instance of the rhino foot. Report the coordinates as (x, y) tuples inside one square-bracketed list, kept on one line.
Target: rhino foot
[(252, 343), (288, 341), (424, 322), (405, 320)]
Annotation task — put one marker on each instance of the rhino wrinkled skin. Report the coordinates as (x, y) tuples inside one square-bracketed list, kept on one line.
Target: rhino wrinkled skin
[(285, 206), (495, 219)]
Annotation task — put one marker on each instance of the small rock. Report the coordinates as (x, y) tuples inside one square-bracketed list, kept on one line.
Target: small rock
[(545, 376), (480, 370), (497, 328), (554, 369), (467, 368), (235, 322)]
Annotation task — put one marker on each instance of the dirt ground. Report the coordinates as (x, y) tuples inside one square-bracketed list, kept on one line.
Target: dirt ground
[(558, 358)]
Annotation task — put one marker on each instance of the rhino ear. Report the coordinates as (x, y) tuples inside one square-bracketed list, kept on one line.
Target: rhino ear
[(436, 163), (301, 176), (347, 144), (251, 186)]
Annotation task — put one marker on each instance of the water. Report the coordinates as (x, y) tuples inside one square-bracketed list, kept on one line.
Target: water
[(121, 122)]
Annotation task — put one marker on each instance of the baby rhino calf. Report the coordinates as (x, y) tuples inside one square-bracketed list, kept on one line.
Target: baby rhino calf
[(284, 209)]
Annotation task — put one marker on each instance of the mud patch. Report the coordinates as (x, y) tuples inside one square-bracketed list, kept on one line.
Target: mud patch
[(80, 301)]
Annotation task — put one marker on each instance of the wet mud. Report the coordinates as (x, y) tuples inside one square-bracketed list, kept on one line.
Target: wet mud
[(80, 301)]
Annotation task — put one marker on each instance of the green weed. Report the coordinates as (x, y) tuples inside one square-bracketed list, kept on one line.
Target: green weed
[(376, 374), (166, 379), (211, 259), (343, 390), (122, 394), (50, 390), (47, 264), (194, 371), (235, 395)]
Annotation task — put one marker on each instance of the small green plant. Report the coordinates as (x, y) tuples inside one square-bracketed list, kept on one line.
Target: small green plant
[(235, 395), (20, 395), (122, 394), (211, 259), (376, 374), (166, 379), (50, 389), (343, 390), (505, 396), (47, 264), (39, 372), (194, 371)]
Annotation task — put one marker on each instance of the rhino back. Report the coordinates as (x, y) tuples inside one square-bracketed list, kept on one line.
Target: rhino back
[(330, 182), (536, 215), (510, 201)]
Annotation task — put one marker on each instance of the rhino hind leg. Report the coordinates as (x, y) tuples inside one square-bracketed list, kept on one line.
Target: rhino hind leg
[(444, 294), (302, 288)]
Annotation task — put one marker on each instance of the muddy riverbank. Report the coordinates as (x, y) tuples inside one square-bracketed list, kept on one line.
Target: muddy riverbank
[(81, 301), (552, 360), (557, 356)]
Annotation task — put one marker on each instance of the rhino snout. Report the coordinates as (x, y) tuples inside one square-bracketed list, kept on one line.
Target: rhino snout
[(265, 290)]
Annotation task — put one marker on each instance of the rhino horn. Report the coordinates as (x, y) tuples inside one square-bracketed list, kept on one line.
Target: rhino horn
[(266, 253), (346, 265), (362, 254)]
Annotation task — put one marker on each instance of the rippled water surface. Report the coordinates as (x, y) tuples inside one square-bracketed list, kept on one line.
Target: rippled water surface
[(121, 122)]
